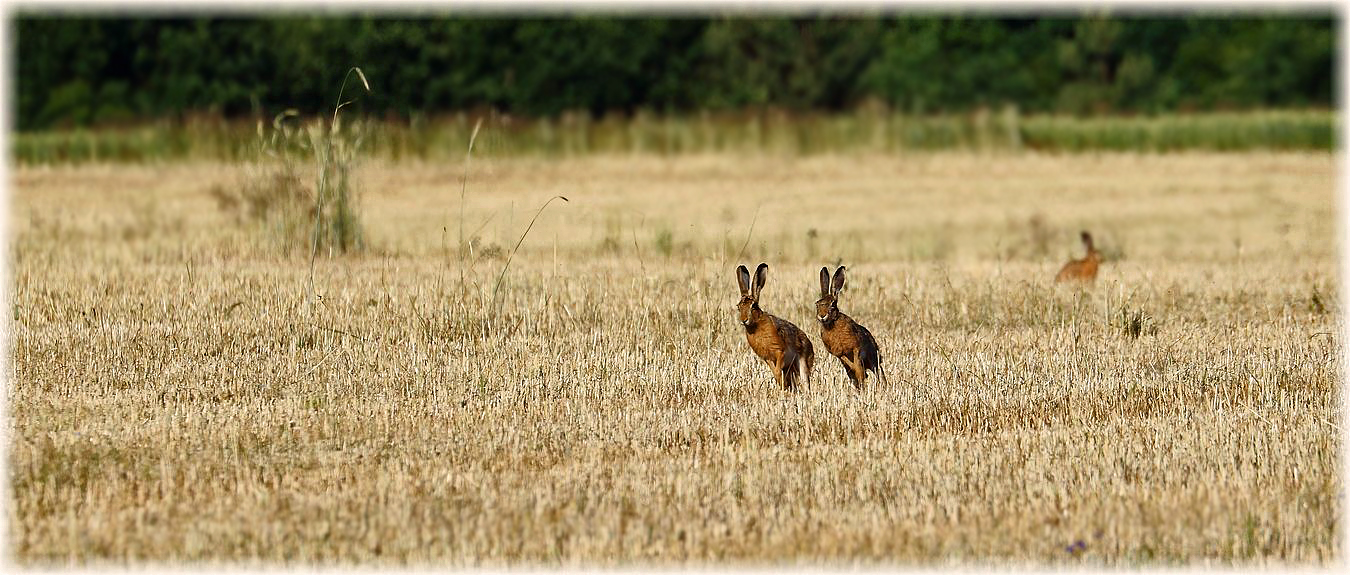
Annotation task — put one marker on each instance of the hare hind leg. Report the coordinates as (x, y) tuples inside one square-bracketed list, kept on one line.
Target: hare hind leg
[(881, 373), (784, 370), (790, 381)]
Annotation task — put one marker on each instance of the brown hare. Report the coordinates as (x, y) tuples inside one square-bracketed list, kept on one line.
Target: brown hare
[(782, 345), (1084, 270), (844, 338)]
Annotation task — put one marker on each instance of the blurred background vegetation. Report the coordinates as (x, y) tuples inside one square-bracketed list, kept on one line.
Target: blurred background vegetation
[(578, 84)]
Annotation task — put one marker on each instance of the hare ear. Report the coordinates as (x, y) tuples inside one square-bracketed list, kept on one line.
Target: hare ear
[(824, 282), (838, 280), (743, 278), (761, 276)]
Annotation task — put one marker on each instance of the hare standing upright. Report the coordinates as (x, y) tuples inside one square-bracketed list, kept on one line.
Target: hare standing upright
[(844, 338), (782, 345), (1082, 270)]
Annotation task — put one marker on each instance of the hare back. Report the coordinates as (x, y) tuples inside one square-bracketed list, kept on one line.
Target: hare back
[(799, 357), (793, 337), (1084, 269), (868, 352)]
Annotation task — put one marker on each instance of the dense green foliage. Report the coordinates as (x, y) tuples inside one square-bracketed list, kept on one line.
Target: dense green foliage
[(76, 71)]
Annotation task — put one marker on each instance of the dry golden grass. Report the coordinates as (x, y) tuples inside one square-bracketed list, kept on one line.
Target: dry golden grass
[(176, 397)]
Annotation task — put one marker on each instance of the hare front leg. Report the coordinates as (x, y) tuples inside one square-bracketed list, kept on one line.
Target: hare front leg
[(853, 363), (777, 365), (848, 368)]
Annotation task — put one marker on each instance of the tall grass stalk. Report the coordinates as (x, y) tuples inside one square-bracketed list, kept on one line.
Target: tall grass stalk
[(463, 190), (748, 234), (496, 303), (334, 155)]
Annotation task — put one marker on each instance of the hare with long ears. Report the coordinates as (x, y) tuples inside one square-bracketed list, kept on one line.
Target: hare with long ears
[(844, 338), (1084, 270), (782, 345)]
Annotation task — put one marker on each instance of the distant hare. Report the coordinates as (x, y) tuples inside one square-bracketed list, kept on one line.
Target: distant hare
[(782, 345), (1082, 270), (844, 338)]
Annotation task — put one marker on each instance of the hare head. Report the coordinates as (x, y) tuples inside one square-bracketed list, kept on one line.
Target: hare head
[(1087, 240), (827, 307), (749, 303)]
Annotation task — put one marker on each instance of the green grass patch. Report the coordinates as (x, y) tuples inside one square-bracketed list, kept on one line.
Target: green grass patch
[(771, 132)]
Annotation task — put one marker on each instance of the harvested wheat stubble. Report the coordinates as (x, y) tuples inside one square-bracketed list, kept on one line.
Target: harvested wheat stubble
[(175, 397)]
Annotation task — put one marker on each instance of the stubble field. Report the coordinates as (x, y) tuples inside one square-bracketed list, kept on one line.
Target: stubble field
[(178, 393)]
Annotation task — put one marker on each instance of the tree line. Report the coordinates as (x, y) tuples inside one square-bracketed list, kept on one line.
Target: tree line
[(84, 70)]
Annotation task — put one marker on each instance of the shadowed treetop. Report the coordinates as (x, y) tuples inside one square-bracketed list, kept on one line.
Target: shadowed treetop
[(84, 70)]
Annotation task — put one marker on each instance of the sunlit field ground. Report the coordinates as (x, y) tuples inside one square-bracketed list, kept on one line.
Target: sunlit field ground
[(179, 393)]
